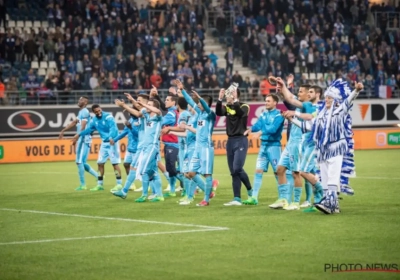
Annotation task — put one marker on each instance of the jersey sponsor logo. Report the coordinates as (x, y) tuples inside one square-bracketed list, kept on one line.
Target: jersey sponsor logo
[(200, 123), (26, 121), (149, 124)]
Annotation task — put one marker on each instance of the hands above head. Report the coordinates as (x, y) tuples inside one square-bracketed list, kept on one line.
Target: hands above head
[(153, 91), (129, 97), (290, 80), (359, 86), (196, 95), (178, 84), (119, 103)]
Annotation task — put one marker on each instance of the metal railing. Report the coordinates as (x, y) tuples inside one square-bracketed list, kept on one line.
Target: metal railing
[(392, 20), (104, 96)]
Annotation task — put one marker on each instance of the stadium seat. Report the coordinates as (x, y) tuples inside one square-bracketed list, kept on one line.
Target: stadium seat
[(43, 64), (28, 24), (37, 24), (42, 72), (20, 23), (11, 24), (34, 65), (312, 76), (52, 64)]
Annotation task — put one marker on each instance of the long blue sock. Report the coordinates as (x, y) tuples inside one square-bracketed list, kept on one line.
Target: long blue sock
[(81, 172), (152, 186), (129, 180), (199, 182), (186, 185), (318, 192), (191, 188), (290, 186), (172, 183), (284, 191), (181, 178), (145, 184), (157, 189), (166, 174), (297, 194), (208, 188), (257, 184), (308, 188), (89, 169)]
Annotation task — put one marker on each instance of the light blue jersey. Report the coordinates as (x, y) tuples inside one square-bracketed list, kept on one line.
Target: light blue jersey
[(107, 129), (270, 123), (205, 122), (83, 115), (105, 126), (150, 153), (190, 136), (152, 128), (184, 117), (132, 134), (308, 108)]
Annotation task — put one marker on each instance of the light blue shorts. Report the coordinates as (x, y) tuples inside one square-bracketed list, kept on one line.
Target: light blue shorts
[(129, 157), (82, 150), (181, 158), (290, 157), (202, 161), (307, 159), (268, 155), (111, 152), (148, 160), (135, 158), (186, 161)]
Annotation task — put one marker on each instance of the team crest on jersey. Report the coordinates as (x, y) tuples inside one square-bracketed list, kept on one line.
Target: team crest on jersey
[(149, 124), (200, 123)]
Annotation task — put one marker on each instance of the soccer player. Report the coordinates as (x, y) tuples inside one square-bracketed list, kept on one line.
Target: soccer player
[(131, 131), (307, 155), (82, 147), (202, 161), (135, 111), (270, 124), (106, 126), (236, 113), (329, 134), (290, 159), (183, 119)]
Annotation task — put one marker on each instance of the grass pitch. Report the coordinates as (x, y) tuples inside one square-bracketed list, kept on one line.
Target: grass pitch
[(82, 235)]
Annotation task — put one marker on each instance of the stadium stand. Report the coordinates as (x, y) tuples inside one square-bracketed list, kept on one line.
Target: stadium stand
[(49, 50)]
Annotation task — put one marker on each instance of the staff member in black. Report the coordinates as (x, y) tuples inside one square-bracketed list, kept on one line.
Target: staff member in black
[(236, 114)]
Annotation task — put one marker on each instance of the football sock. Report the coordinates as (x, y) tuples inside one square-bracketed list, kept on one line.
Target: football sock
[(199, 182), (191, 188), (166, 174), (172, 183), (145, 184), (152, 186), (208, 188), (81, 172), (308, 188), (157, 185), (290, 191), (186, 185), (180, 178), (129, 180), (100, 180), (318, 192), (89, 169), (257, 184), (283, 191), (297, 194)]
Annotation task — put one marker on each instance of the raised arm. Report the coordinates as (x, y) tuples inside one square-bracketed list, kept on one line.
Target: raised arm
[(348, 102), (305, 126), (123, 105), (122, 134), (303, 116), (287, 95), (220, 110), (151, 108)]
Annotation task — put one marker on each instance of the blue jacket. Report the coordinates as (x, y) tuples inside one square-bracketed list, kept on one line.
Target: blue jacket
[(132, 133), (105, 125), (270, 123)]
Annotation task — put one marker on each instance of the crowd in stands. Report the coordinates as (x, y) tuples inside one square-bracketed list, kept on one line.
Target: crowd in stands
[(99, 46)]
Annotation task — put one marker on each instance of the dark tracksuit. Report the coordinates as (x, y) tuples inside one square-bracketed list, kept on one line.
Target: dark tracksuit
[(290, 107), (237, 145)]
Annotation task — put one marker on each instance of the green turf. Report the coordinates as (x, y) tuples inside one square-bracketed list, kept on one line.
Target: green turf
[(260, 243)]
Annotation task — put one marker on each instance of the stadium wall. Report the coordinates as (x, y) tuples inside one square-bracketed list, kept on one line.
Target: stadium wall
[(52, 150)]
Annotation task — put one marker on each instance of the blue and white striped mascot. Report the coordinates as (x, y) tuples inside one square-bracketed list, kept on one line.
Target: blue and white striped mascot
[(332, 134)]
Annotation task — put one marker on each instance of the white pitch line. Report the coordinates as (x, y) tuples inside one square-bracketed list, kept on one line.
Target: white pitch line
[(108, 236), (217, 175), (114, 219)]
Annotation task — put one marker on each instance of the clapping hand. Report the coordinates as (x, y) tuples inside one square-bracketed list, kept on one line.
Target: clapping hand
[(119, 103)]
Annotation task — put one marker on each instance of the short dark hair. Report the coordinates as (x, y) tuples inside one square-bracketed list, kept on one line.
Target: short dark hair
[(274, 97), (317, 89), (95, 106), (182, 103), (208, 99), (144, 96), (156, 103), (307, 86), (174, 98)]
